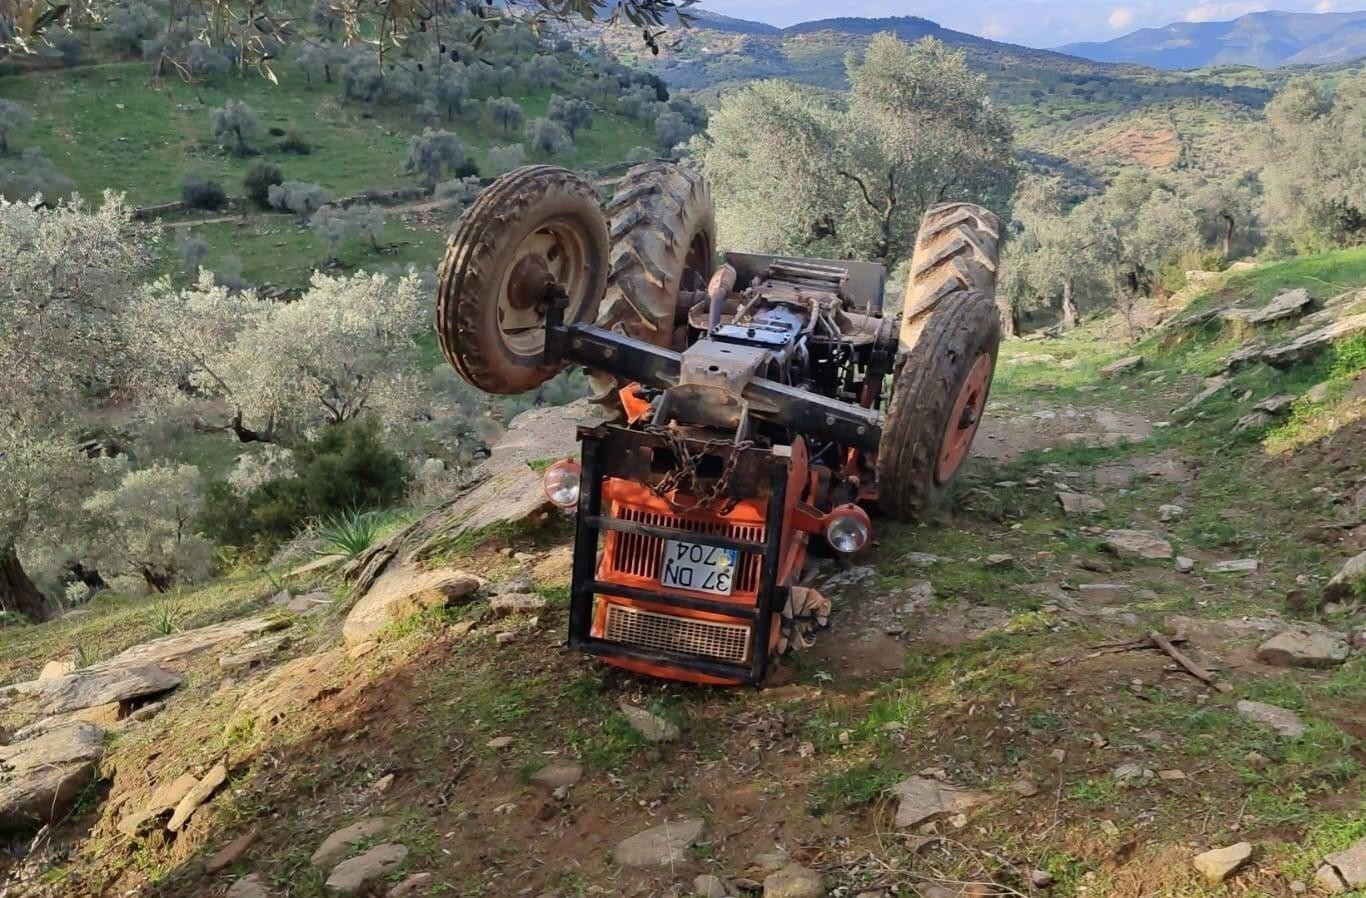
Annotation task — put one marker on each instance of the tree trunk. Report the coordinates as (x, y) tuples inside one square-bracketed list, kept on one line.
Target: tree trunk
[(17, 592), (1228, 234), (1007, 317), (1069, 306)]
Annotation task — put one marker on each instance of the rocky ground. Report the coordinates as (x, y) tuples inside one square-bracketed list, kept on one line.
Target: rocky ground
[(1126, 661)]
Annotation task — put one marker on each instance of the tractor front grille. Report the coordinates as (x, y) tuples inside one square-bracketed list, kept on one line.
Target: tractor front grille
[(680, 635), (640, 555)]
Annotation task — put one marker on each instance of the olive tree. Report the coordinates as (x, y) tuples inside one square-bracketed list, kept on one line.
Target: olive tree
[(572, 113), (548, 136), (433, 153), (796, 169), (300, 197), (32, 175), (69, 272), (1048, 259), (505, 158), (1313, 154), (506, 113), (342, 349), (236, 122), (14, 118), (144, 525)]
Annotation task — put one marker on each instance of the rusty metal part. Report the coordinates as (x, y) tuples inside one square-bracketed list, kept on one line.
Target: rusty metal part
[(721, 284)]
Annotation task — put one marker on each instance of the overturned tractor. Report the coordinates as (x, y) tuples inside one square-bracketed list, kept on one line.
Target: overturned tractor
[(750, 404)]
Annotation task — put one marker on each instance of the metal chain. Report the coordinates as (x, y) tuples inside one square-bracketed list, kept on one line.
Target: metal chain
[(684, 475)]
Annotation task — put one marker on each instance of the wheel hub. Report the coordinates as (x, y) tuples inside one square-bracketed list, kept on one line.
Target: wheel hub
[(963, 420), (555, 253)]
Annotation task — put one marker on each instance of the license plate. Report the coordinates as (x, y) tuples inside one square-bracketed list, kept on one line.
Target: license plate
[(699, 568)]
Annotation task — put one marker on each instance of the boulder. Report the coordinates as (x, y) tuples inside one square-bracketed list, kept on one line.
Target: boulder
[(1291, 304), (404, 590), (350, 876), (1184, 565), (198, 794), (659, 846), (1275, 405), (1169, 513), (249, 886), (1221, 863), (1281, 720), (517, 603), (321, 563), (653, 727), (41, 777), (1137, 544), (708, 886), (1349, 865), (1212, 386), (1122, 366), (1304, 646), (176, 651), (924, 799), (1254, 420), (1235, 566), (1347, 580), (794, 881), (339, 844), (92, 686), (558, 775), (1079, 503), (1308, 345)]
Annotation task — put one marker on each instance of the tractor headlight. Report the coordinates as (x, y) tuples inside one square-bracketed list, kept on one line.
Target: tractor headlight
[(847, 529), (561, 483)]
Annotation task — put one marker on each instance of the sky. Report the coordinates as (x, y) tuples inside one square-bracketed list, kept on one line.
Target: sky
[(1034, 23)]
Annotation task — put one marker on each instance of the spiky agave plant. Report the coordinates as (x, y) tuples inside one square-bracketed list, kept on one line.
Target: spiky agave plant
[(351, 532)]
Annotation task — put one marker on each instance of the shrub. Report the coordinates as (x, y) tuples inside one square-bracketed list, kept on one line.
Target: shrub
[(199, 192), (258, 181), (345, 468), (295, 143)]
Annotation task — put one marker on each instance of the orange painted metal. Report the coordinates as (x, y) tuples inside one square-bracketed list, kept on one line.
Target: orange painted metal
[(963, 420)]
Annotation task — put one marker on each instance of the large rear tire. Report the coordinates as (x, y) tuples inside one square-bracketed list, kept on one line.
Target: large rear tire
[(955, 251), (663, 232), (938, 398), (534, 226)]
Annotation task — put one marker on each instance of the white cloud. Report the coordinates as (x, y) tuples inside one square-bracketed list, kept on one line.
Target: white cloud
[(1325, 6), (994, 28), (1220, 12), (1121, 17)]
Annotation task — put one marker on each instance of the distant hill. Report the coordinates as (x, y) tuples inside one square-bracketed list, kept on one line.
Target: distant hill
[(1262, 39)]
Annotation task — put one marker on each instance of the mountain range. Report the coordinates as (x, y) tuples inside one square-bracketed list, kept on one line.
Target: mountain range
[(1262, 39)]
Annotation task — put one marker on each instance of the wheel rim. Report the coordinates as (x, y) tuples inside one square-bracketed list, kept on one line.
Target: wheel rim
[(963, 420), (556, 252)]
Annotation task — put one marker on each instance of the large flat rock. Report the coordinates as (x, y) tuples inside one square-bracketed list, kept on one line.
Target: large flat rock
[(176, 651), (402, 591), (1306, 346), (41, 777), (90, 687), (924, 799), (659, 846), (292, 687)]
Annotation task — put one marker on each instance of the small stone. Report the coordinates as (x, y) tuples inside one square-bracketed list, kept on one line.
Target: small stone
[(339, 844), (498, 743), (1000, 560), (794, 881), (1252, 421), (653, 727), (1304, 646), (216, 776), (1122, 366), (1137, 544), (1079, 503), (766, 862), (1236, 566), (659, 846), (516, 603), (920, 559), (1058, 755), (361, 649), (229, 852), (1041, 879), (1221, 863), (249, 886), (504, 637), (1275, 405), (1130, 773), (1171, 512), (1108, 827), (382, 784), (558, 774), (1098, 741), (1184, 565), (461, 629), (411, 886), (350, 876), (1257, 760), (1171, 776), (1283, 721), (709, 886), (1025, 788), (1298, 887)]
